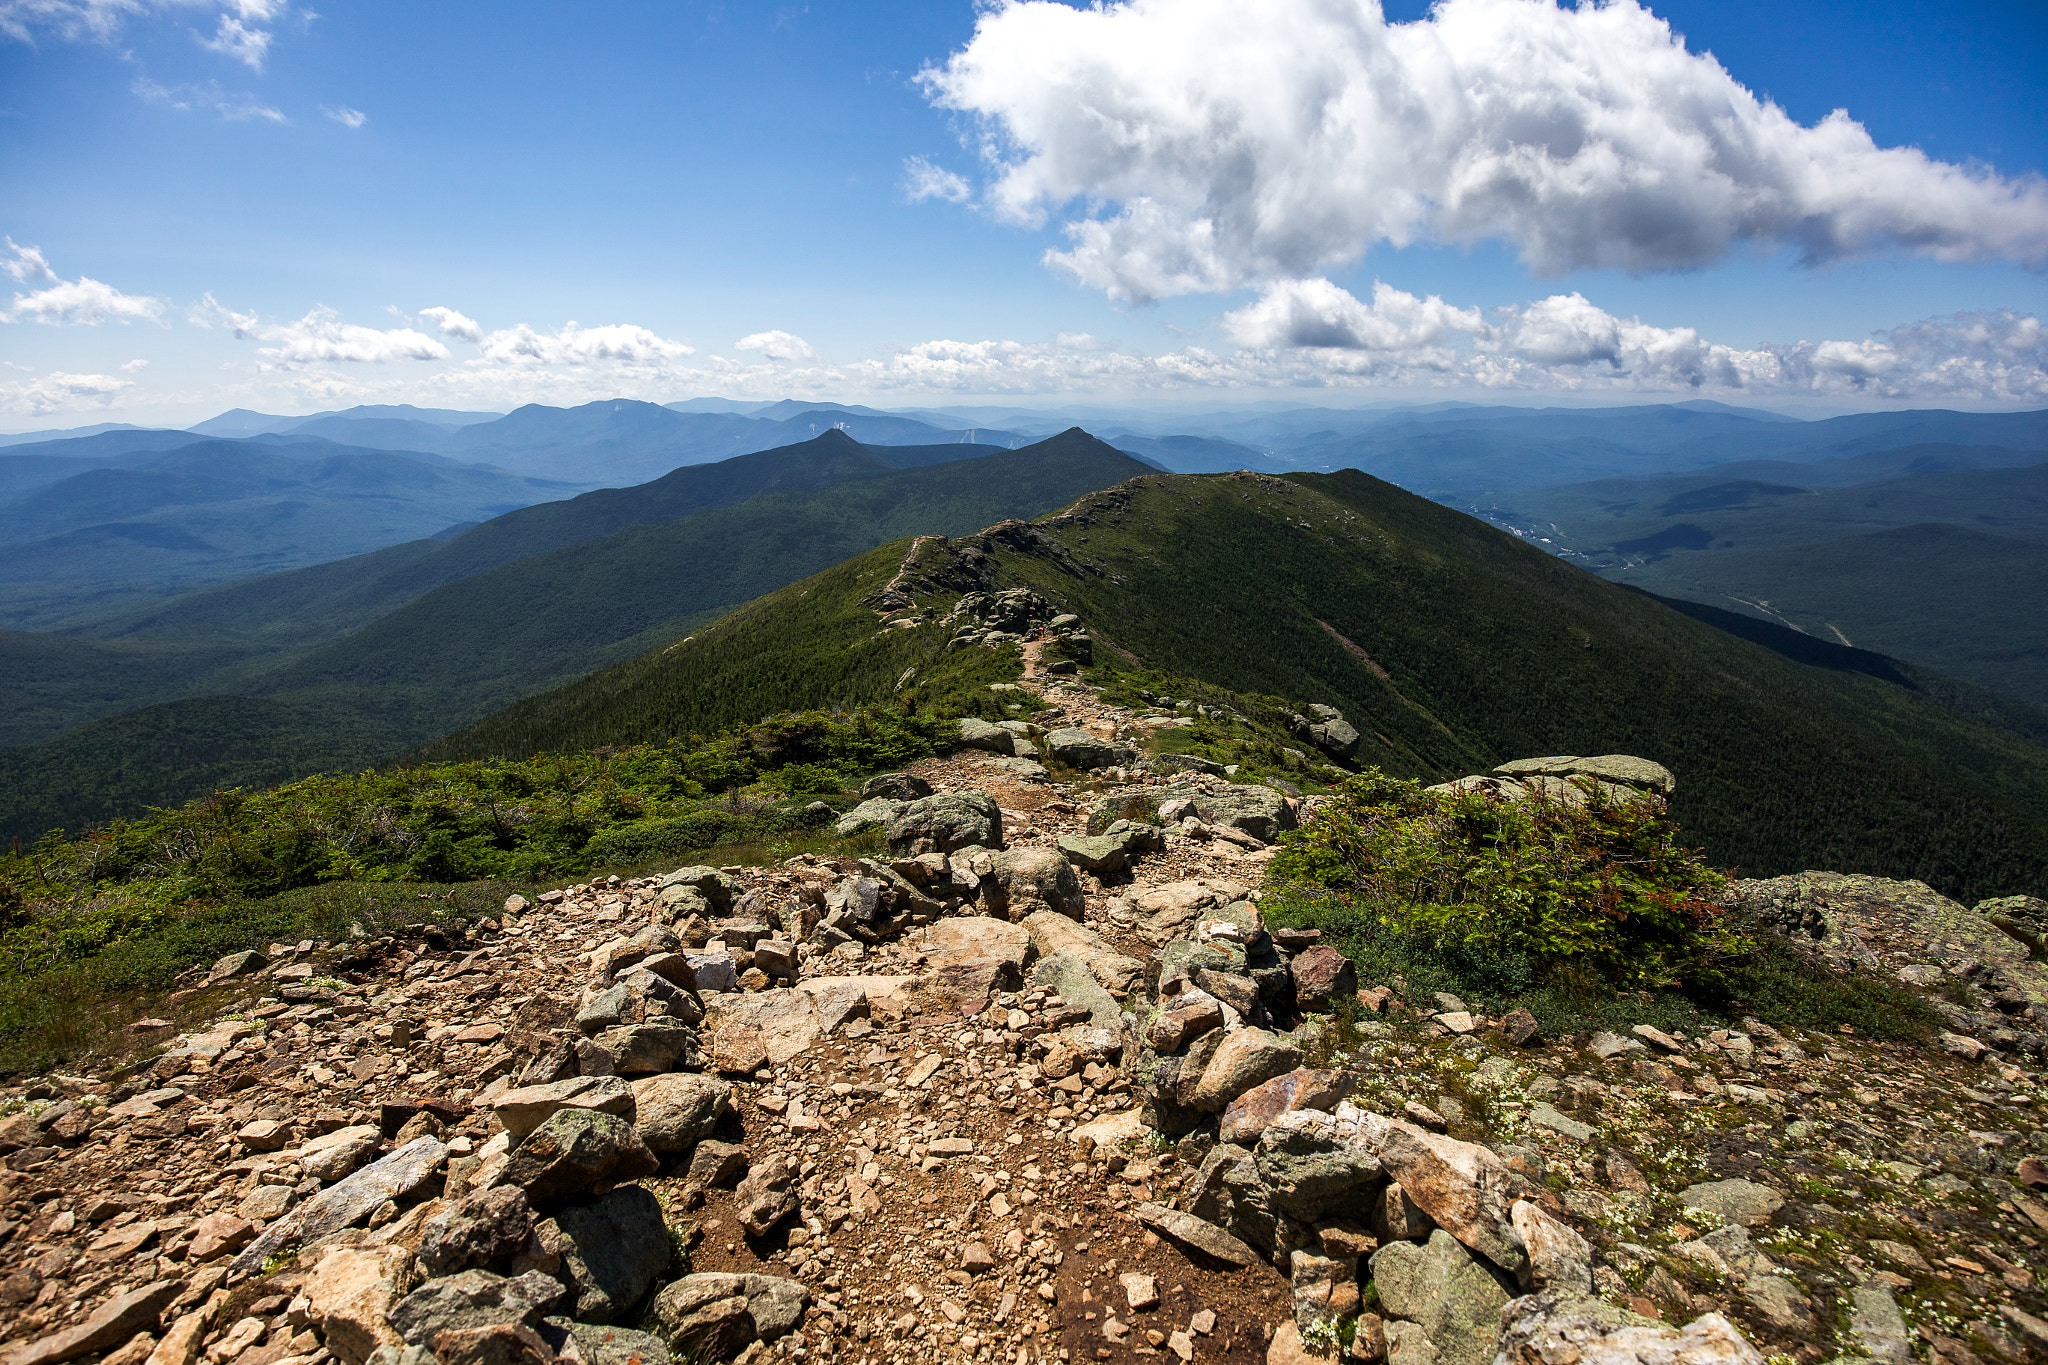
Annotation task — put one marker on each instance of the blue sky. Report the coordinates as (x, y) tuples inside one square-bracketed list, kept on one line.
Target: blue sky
[(690, 175)]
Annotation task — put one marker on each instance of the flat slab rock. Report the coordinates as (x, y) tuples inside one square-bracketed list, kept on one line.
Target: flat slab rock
[(1190, 1231)]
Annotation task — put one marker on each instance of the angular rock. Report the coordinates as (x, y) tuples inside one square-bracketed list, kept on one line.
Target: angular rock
[(877, 810), (1440, 1286), (1246, 1058), (1742, 1202), (574, 1151), (1098, 853), (1025, 881), (350, 1295), (979, 734), (525, 1109), (478, 1231), (940, 824), (1323, 976), (471, 1299), (649, 1048), (1258, 811), (500, 1344), (1055, 933), (1520, 1028), (1556, 1329), (612, 1250), (717, 1163), (896, 787), (1463, 1187), (677, 1110), (112, 1323), (331, 1156), (716, 887), (1253, 1112), (766, 1196), (718, 1312), (1190, 1231), (1078, 748), (785, 1019), (1559, 1259), (348, 1202), (1175, 1028), (217, 1234), (978, 940), (592, 1344)]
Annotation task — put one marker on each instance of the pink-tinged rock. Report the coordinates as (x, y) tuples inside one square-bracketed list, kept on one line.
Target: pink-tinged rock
[(1558, 1257), (114, 1322), (217, 1234), (1462, 1187), (1246, 1058), (1253, 1112), (1322, 976), (264, 1135), (527, 1108), (351, 1293), (479, 1033), (180, 1345), (1176, 1028)]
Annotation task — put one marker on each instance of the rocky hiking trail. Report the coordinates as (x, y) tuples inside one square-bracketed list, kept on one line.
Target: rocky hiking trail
[(1038, 1084)]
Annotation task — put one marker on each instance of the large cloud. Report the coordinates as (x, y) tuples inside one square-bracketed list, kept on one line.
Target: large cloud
[(321, 336), (84, 301), (1241, 144), (61, 392)]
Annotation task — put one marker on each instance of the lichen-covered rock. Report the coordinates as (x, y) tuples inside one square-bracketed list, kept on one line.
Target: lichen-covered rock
[(612, 1248), (1322, 977), (1023, 881), (1244, 1059), (675, 1111), (948, 821), (1454, 1296), (574, 1151), (1561, 1329), (979, 734), (1463, 1187), (483, 1230)]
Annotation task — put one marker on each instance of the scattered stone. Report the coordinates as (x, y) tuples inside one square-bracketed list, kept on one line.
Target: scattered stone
[(1192, 1232)]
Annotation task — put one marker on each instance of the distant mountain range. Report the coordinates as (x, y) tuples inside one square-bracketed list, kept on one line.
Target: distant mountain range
[(438, 563), (1450, 645), (408, 642), (1933, 552)]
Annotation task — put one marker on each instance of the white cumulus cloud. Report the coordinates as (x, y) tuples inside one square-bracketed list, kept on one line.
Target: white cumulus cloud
[(923, 180), (83, 302), (345, 116), (235, 39), (321, 336), (238, 24), (61, 392), (620, 344), (1586, 137), (453, 324), (777, 345)]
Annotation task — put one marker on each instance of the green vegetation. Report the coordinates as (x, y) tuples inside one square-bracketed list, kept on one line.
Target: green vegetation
[(1588, 914), (1452, 647), (503, 631), (1920, 553), (128, 907), (1593, 886)]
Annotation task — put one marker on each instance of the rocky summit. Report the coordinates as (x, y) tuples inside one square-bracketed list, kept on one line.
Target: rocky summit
[(1036, 1082)]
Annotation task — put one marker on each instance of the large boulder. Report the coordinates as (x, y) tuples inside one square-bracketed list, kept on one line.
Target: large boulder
[(1322, 978), (351, 1293), (1259, 811), (1254, 1111), (1624, 770), (473, 1298), (716, 888), (1244, 1059), (979, 734), (895, 786), (1307, 1175), (525, 1109), (612, 1249), (951, 820), (1336, 737), (1462, 1186), (1025, 880), (1054, 933), (479, 1231), (979, 941), (876, 810), (715, 1313), (1563, 1329), (1078, 748), (678, 1110), (1442, 1288), (574, 1151)]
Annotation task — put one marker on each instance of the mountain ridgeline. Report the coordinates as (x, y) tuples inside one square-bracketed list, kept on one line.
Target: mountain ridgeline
[(358, 660), (1451, 645)]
